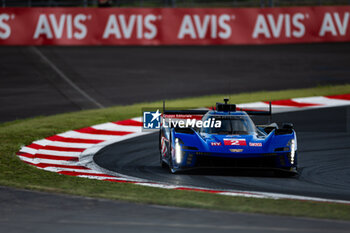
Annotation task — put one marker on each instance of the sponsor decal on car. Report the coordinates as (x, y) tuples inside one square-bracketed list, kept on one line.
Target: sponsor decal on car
[(215, 143), (258, 144), (235, 142), (236, 150)]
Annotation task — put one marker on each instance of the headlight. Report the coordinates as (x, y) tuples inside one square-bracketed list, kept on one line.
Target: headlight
[(292, 151), (178, 152)]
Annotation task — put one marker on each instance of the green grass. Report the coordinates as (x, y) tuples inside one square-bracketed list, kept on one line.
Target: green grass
[(15, 173)]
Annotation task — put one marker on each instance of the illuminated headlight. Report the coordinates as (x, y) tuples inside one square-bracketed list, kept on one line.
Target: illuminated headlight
[(292, 151), (178, 153)]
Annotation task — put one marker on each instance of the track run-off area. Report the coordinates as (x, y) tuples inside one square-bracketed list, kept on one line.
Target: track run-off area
[(108, 152)]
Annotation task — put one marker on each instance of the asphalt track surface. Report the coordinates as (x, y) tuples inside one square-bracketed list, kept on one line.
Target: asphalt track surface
[(49, 80), (61, 213), (324, 161), (43, 80)]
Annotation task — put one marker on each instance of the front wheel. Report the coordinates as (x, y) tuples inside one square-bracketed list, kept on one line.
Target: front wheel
[(172, 170), (162, 163)]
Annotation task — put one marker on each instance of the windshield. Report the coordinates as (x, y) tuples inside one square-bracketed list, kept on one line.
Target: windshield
[(230, 125)]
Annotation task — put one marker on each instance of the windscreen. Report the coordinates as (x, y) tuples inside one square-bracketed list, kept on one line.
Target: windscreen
[(231, 125)]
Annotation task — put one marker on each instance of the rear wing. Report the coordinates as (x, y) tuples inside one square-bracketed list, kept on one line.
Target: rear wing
[(202, 112), (185, 112)]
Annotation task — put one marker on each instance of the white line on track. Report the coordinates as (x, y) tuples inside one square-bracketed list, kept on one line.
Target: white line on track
[(115, 127), (42, 142), (75, 134), (66, 78), (70, 144), (49, 161), (324, 101), (58, 153), (28, 150)]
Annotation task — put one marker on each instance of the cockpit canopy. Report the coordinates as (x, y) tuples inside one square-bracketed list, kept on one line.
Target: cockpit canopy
[(230, 124)]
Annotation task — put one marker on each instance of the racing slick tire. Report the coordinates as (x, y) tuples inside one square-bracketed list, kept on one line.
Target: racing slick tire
[(162, 163), (172, 170)]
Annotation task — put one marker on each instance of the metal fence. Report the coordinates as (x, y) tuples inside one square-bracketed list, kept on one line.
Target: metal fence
[(169, 3)]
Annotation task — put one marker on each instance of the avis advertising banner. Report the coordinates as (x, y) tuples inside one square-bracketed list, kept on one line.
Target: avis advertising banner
[(169, 26)]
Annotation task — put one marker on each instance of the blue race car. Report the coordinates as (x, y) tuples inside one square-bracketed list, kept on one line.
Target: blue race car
[(234, 143)]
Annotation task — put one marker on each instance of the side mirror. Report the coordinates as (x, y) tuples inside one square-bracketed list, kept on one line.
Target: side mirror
[(287, 126), (268, 129)]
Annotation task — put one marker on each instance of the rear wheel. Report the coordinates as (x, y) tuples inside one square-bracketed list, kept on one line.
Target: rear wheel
[(162, 163), (172, 170)]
